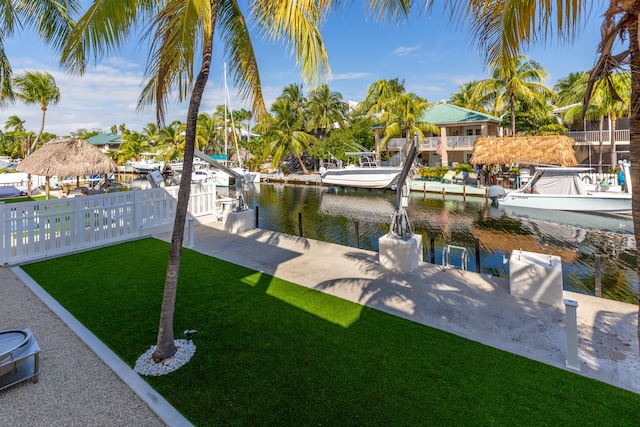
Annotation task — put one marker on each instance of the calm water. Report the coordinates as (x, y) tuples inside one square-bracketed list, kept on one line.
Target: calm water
[(330, 215)]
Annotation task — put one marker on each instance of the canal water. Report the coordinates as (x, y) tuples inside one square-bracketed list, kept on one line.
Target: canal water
[(330, 214)]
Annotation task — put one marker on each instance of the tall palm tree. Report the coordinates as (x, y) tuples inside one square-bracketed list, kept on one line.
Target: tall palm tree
[(34, 87), (52, 21), (505, 28), (379, 94), (402, 116), (514, 80), (324, 109), (182, 38), (283, 133)]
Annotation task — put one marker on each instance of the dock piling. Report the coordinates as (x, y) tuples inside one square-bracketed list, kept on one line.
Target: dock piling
[(598, 277), (357, 231)]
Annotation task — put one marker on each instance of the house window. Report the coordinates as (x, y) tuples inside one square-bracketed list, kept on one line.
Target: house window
[(469, 132)]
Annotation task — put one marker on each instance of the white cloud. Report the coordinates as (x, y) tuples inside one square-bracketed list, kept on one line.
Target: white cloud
[(350, 76), (405, 50)]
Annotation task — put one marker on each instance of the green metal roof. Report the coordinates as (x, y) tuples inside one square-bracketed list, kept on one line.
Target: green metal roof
[(105, 138), (441, 114)]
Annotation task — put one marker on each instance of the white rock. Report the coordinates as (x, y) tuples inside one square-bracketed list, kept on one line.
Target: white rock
[(145, 365)]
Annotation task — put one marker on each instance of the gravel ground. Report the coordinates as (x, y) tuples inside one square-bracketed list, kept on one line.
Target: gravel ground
[(75, 388)]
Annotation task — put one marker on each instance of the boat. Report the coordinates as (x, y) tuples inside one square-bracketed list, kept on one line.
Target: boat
[(563, 189), (365, 175)]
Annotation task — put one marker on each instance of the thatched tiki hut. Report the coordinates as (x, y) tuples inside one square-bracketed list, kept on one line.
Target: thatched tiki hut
[(541, 150), (67, 157)]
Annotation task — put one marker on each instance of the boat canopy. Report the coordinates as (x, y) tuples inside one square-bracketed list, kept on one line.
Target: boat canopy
[(559, 181)]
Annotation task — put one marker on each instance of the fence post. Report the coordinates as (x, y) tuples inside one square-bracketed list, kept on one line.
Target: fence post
[(4, 257), (257, 210), (598, 278), (477, 255), (357, 230), (432, 242)]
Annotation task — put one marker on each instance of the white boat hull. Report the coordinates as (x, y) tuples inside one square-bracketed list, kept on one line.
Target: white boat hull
[(381, 177), (613, 203)]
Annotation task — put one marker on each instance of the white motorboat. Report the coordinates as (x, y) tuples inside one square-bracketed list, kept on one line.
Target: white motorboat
[(366, 175), (146, 166), (560, 188)]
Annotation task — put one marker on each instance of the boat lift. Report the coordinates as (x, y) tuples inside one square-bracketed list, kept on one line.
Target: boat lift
[(239, 204), (400, 227)]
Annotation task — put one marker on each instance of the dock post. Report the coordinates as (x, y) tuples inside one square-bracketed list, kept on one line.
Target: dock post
[(486, 194), (598, 277), (357, 231), (477, 255), (300, 224), (190, 220), (571, 307), (464, 192), (432, 247), (257, 209)]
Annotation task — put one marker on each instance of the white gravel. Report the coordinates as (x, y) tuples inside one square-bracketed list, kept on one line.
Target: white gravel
[(145, 365)]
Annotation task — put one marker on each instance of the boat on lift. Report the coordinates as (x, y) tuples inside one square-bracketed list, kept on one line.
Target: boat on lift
[(563, 189), (367, 174)]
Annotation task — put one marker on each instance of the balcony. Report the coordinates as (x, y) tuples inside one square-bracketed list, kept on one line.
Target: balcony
[(593, 136)]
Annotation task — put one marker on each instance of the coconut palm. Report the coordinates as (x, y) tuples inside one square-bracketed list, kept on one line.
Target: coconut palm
[(466, 97), (379, 94), (51, 19), (182, 38), (325, 109), (14, 123), (39, 88), (402, 116), (514, 80), (283, 134)]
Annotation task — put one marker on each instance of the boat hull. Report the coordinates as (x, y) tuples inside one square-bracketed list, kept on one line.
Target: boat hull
[(605, 202), (361, 177)]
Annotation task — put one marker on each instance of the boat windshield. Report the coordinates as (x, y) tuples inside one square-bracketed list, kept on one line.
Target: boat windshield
[(367, 162)]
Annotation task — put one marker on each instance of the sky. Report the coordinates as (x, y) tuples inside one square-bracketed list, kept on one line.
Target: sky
[(432, 56)]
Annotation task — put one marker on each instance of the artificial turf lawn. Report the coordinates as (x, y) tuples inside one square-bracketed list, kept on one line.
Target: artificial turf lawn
[(273, 353)]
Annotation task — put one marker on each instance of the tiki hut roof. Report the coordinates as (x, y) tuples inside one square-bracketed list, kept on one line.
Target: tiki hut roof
[(67, 157), (549, 150)]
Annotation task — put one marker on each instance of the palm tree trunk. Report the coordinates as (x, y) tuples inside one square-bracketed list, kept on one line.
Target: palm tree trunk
[(634, 146), (512, 107), (165, 344)]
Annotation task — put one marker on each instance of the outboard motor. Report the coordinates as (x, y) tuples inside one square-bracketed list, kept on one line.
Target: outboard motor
[(495, 192)]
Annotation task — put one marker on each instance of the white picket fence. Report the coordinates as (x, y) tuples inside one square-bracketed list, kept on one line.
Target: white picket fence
[(41, 229)]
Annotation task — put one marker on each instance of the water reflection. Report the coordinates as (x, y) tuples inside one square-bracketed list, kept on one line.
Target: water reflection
[(330, 215)]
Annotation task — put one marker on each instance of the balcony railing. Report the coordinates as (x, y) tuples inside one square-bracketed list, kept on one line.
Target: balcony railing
[(594, 136)]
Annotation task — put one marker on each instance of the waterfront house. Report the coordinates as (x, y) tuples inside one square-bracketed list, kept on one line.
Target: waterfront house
[(106, 141), (459, 129)]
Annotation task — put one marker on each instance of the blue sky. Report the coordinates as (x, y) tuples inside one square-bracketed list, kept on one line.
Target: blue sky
[(433, 58)]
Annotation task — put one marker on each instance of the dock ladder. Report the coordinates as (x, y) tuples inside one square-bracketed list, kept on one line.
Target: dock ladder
[(446, 256)]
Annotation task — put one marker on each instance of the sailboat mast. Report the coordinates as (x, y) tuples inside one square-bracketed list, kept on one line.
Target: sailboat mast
[(225, 112)]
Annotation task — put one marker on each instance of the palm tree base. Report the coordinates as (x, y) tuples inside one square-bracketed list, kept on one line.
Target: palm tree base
[(145, 365)]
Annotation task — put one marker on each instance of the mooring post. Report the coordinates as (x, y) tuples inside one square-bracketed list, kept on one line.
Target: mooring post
[(357, 231), (571, 307), (464, 192), (432, 242), (300, 224), (257, 209), (598, 278), (486, 194), (477, 255)]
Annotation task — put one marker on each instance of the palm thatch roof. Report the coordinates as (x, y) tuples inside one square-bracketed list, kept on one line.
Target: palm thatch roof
[(244, 155), (550, 150), (67, 157)]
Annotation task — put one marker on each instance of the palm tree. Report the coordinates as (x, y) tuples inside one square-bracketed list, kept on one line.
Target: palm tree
[(37, 88), (52, 20), (14, 123), (466, 97), (514, 80), (324, 109), (402, 115), (183, 35), (283, 133)]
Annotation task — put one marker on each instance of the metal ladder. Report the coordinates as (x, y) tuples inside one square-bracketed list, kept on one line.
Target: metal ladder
[(446, 257)]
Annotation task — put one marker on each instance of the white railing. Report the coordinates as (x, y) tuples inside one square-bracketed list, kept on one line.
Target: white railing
[(594, 136), (40, 229)]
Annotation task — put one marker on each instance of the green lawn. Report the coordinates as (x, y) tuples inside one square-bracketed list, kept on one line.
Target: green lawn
[(273, 353)]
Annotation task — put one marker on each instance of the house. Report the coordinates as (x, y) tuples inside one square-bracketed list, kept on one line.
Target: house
[(106, 141), (459, 129)]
